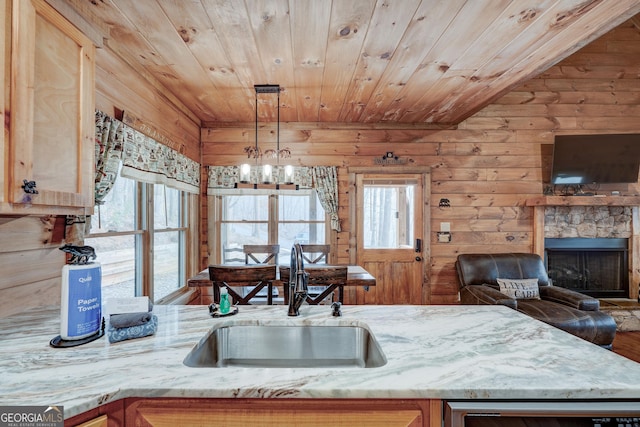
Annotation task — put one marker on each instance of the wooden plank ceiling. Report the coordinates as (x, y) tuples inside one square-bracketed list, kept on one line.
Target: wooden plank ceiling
[(353, 61)]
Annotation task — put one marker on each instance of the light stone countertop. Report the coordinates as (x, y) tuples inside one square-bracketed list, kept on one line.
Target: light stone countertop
[(443, 352)]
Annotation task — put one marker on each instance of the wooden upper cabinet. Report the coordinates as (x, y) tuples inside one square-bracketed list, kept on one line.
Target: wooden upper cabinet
[(51, 133)]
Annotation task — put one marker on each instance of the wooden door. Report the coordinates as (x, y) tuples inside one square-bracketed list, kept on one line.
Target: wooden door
[(391, 218), (52, 98)]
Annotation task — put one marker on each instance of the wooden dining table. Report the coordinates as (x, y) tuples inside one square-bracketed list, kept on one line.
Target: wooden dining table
[(356, 276)]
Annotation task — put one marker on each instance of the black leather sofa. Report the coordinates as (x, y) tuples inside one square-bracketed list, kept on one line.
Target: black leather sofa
[(570, 311)]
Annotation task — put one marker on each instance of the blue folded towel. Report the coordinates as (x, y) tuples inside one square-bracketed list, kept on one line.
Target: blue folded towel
[(130, 319), (131, 332)]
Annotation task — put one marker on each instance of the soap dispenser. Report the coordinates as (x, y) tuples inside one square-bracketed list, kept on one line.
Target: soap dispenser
[(225, 304)]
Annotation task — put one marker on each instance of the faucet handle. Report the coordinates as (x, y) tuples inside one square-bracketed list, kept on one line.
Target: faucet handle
[(335, 307)]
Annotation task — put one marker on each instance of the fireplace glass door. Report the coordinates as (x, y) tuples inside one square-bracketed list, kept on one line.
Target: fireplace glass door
[(589, 266)]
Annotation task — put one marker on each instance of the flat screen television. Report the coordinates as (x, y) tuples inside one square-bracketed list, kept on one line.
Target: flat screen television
[(595, 159)]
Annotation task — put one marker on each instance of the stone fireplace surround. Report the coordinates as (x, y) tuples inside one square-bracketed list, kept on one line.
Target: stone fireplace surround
[(595, 224), (591, 217)]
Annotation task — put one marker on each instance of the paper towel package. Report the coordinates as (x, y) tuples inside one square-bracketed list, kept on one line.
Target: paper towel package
[(81, 304)]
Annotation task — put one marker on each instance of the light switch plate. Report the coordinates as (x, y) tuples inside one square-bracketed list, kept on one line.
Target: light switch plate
[(444, 237)]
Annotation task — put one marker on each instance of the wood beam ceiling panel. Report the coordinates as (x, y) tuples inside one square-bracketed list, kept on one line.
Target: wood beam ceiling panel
[(309, 32), (359, 61), (347, 31)]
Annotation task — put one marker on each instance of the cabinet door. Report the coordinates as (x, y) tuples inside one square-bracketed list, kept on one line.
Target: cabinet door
[(52, 110), (167, 412), (101, 421)]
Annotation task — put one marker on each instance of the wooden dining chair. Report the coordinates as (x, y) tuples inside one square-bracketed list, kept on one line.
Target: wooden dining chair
[(244, 282), (232, 255), (261, 254), (316, 254), (329, 277)]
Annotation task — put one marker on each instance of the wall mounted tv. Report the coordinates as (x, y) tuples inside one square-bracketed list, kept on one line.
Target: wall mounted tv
[(595, 159)]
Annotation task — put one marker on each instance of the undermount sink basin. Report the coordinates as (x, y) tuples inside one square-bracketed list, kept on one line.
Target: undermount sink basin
[(303, 346)]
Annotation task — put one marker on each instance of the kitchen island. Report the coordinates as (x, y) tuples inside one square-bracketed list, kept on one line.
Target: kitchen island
[(432, 352)]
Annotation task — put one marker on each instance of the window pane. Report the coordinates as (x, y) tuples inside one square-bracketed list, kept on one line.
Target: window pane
[(166, 263), (116, 254), (235, 235), (288, 233), (166, 210), (245, 208), (388, 215), (300, 207), (118, 211)]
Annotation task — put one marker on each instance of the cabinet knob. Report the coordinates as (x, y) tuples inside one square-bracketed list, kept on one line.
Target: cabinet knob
[(29, 187)]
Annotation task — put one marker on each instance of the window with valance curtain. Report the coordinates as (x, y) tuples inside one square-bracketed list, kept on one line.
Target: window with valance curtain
[(324, 179), (143, 159)]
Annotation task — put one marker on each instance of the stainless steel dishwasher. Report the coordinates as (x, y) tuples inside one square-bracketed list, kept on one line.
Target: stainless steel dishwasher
[(582, 413)]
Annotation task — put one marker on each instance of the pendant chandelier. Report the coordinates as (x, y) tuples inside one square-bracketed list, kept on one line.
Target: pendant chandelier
[(267, 176)]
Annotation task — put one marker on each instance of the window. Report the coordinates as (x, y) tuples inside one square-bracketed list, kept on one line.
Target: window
[(251, 218), (124, 232), (388, 213)]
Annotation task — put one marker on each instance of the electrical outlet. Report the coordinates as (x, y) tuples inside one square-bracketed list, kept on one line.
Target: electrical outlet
[(445, 226)]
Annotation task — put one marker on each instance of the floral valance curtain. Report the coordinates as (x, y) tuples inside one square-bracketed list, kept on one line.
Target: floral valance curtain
[(144, 159), (147, 160), (109, 148), (321, 178)]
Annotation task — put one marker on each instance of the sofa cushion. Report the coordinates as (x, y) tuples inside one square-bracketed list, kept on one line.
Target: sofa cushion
[(519, 288)]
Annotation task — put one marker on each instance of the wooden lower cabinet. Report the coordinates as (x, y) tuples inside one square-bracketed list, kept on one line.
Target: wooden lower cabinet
[(101, 421), (109, 415), (282, 412)]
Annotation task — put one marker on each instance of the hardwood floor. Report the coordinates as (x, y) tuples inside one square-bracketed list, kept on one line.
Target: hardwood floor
[(627, 344)]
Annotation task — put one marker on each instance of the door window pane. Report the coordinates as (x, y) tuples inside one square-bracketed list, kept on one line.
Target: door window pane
[(388, 214)]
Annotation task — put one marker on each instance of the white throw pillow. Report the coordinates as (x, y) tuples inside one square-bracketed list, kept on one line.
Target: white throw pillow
[(519, 288)]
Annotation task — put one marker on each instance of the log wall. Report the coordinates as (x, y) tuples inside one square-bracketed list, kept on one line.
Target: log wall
[(489, 165)]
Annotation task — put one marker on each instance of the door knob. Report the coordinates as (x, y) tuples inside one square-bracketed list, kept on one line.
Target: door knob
[(418, 258)]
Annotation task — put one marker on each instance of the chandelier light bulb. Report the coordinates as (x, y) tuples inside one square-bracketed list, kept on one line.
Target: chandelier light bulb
[(266, 174), (245, 173), (288, 174)]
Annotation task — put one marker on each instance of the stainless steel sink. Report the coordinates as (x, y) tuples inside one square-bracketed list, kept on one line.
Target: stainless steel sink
[(304, 346)]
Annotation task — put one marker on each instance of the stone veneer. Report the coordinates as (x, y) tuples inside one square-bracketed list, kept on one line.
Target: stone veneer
[(587, 221), (594, 222)]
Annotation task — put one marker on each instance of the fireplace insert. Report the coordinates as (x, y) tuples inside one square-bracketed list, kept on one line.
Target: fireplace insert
[(593, 266)]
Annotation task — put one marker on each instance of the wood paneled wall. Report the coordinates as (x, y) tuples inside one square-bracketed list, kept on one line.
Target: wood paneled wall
[(120, 88), (489, 165)]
